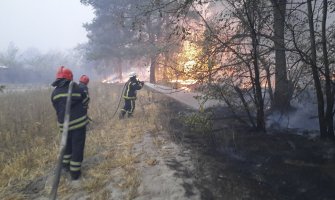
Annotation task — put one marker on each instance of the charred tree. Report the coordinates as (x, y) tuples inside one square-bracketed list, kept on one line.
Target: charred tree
[(260, 121), (315, 72), (281, 94), (329, 92)]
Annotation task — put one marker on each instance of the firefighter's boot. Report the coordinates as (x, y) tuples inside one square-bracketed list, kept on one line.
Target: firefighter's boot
[(75, 175), (122, 113)]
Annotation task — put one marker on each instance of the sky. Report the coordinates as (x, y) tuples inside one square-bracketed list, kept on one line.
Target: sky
[(43, 24)]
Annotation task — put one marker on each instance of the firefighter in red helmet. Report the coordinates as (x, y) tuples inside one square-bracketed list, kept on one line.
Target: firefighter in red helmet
[(83, 82), (74, 150)]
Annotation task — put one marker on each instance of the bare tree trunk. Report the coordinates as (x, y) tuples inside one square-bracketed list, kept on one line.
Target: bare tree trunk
[(268, 79), (316, 78), (153, 62), (153, 54), (166, 58), (245, 105), (260, 120), (329, 92), (281, 96), (210, 70), (259, 97)]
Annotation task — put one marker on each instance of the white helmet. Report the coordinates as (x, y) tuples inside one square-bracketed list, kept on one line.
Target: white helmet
[(132, 74)]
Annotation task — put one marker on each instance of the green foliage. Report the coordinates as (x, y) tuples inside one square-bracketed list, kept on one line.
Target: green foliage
[(112, 33), (198, 122), (127, 30)]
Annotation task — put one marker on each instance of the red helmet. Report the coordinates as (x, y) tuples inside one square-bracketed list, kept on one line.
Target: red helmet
[(84, 79), (64, 73)]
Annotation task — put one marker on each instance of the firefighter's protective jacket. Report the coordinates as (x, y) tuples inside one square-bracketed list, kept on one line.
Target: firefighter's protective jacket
[(130, 88), (83, 87), (79, 100)]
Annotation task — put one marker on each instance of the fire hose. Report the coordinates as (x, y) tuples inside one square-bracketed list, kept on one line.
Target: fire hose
[(117, 108), (58, 169)]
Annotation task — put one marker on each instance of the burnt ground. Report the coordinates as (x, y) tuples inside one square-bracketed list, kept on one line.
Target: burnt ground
[(236, 162)]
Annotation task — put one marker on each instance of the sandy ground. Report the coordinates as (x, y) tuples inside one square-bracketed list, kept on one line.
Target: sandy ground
[(161, 163)]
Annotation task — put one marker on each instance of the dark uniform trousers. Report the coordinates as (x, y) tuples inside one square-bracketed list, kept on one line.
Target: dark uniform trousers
[(129, 106), (129, 96), (74, 151)]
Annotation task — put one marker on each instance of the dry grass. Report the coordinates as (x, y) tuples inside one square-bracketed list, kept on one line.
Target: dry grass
[(113, 140), (28, 139), (29, 143)]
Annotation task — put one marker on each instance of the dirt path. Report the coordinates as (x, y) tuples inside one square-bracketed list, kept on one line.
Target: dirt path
[(165, 170)]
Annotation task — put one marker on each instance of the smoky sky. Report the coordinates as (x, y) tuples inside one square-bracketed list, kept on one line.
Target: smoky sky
[(43, 24)]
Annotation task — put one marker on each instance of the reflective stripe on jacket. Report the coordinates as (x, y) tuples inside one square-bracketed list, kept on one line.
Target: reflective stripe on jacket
[(130, 89), (75, 124), (78, 114)]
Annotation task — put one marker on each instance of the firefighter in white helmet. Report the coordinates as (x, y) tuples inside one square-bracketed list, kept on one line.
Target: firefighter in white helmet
[(129, 95)]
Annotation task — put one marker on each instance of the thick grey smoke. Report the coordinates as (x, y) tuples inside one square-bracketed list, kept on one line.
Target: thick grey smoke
[(304, 117)]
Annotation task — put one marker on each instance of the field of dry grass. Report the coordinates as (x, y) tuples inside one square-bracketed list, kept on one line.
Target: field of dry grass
[(30, 140)]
